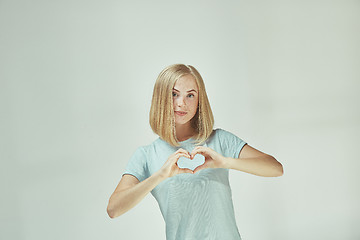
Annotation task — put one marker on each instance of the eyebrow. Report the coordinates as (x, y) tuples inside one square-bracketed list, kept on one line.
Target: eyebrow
[(192, 90)]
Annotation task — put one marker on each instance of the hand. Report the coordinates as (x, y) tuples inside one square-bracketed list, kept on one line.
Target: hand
[(212, 158), (170, 167)]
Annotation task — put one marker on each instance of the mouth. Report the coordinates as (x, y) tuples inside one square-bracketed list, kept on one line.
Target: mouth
[(180, 113)]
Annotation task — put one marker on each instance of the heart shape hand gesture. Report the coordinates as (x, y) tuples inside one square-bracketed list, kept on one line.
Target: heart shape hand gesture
[(212, 158), (191, 162), (170, 167), (209, 159)]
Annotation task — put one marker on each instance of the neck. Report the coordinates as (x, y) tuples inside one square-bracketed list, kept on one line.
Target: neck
[(184, 131)]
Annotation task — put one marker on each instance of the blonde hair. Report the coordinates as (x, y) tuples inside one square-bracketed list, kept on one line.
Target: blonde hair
[(162, 114)]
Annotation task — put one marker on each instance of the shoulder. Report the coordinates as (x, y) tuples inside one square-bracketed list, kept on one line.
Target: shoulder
[(141, 154), (149, 147), (230, 144), (221, 133), (225, 137)]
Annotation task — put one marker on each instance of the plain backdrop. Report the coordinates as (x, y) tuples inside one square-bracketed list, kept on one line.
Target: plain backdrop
[(76, 85)]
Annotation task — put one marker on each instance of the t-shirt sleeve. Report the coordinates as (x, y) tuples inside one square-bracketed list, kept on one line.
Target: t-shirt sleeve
[(230, 143), (137, 165)]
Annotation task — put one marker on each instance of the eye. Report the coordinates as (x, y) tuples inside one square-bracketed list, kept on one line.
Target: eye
[(191, 95), (174, 94)]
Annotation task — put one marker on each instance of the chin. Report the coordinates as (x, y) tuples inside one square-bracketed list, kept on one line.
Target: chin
[(182, 122)]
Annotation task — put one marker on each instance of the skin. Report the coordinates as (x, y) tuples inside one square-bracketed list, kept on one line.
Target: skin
[(185, 99), (130, 191)]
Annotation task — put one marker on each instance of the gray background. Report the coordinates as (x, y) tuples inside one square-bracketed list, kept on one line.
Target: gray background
[(76, 85)]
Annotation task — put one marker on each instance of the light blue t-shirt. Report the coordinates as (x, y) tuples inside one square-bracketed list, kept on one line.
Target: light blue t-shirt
[(194, 206)]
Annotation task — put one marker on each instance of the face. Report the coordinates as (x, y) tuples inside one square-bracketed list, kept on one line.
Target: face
[(185, 99)]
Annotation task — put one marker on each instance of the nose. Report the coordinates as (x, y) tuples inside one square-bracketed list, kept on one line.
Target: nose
[(180, 101)]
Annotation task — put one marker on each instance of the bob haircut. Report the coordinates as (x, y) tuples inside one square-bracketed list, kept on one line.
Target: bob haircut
[(162, 112)]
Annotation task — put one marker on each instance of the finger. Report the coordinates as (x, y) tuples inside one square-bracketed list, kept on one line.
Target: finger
[(179, 155), (180, 150), (201, 167), (201, 150), (186, 170)]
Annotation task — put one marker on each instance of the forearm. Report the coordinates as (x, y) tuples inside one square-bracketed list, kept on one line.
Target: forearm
[(265, 166), (122, 201)]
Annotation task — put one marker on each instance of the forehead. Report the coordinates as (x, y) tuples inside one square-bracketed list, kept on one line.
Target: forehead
[(186, 82)]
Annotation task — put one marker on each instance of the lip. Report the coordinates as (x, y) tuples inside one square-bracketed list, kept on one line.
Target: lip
[(180, 113)]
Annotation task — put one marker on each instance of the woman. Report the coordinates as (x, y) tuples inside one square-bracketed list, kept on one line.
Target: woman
[(195, 201)]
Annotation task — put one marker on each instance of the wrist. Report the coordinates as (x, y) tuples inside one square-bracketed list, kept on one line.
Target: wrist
[(161, 175), (227, 162)]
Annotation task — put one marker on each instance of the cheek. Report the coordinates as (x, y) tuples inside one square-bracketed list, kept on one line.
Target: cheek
[(194, 105)]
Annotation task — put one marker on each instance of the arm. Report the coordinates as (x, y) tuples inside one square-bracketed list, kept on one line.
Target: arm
[(250, 160), (253, 161), (130, 191)]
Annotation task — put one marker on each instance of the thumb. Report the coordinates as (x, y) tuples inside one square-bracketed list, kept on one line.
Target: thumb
[(198, 168), (186, 170)]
